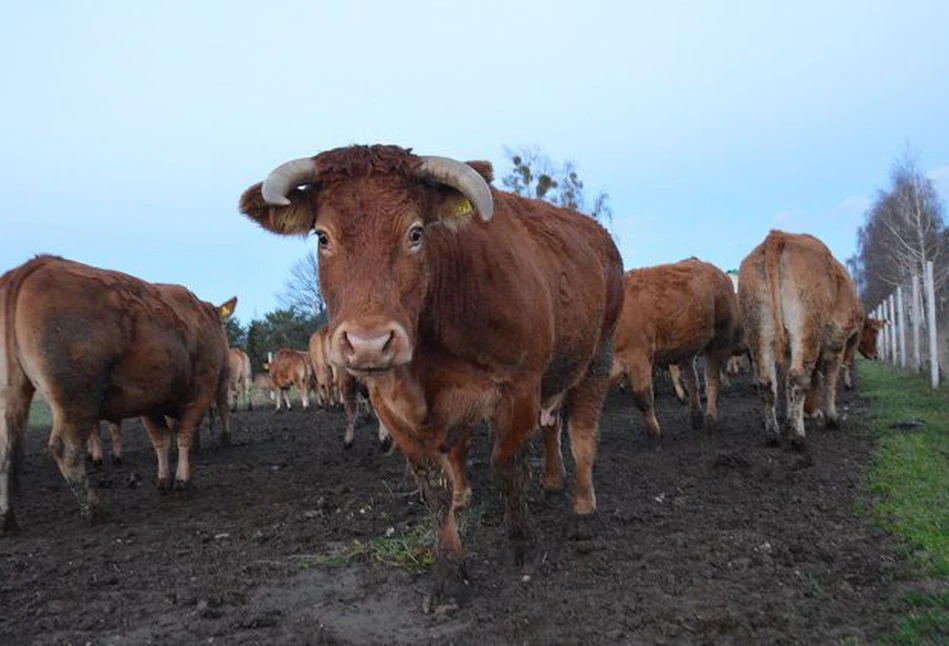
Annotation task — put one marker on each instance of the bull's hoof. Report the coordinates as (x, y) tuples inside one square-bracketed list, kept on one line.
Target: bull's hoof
[(8, 524), (347, 445), (832, 423), (97, 464), (798, 443), (451, 590), (182, 485), (711, 424), (772, 442), (655, 441), (519, 551), (697, 419), (581, 527), (386, 446), (165, 484), (116, 460), (94, 514)]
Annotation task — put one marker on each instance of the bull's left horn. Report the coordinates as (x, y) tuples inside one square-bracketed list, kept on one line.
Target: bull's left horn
[(461, 177), (286, 177)]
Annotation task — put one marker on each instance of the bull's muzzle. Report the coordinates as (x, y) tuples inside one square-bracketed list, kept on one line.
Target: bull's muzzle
[(370, 348)]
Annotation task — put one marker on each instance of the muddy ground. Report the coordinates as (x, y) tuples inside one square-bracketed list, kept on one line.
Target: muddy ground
[(708, 540)]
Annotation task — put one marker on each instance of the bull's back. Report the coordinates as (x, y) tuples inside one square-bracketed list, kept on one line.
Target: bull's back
[(99, 344)]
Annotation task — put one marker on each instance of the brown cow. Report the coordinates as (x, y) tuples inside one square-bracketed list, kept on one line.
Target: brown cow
[(323, 375), (102, 345), (456, 302), (239, 377), (673, 313), (289, 368), (799, 310), (865, 343)]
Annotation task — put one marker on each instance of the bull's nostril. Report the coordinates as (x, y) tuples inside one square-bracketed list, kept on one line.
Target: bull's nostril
[(387, 346), (346, 346)]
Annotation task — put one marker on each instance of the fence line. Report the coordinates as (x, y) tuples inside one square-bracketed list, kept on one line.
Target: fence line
[(921, 311)]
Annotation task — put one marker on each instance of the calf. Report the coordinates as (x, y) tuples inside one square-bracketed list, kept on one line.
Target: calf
[(673, 313), (289, 368), (102, 345), (799, 310)]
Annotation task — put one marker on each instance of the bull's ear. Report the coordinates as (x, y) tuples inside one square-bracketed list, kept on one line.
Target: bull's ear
[(483, 168), (877, 324), (224, 311), (295, 219)]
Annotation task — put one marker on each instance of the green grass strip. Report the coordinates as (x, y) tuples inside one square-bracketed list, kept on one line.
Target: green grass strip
[(910, 478)]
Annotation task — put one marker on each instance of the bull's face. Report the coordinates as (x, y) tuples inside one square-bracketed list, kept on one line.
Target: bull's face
[(371, 238), (868, 337), (375, 213)]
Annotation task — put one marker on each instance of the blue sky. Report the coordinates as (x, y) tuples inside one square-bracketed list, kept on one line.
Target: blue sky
[(130, 129)]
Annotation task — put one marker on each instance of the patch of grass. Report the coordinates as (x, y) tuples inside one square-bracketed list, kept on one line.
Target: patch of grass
[(409, 550), (910, 476)]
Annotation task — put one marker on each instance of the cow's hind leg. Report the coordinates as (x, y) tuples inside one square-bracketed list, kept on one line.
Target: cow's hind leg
[(714, 364), (225, 412), (554, 471), (68, 442), (639, 372), (95, 446), (832, 365), (15, 399), (116, 432), (675, 374), (690, 375), (584, 403), (160, 435)]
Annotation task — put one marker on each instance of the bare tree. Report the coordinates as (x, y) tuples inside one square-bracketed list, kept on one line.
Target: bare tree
[(904, 229), (301, 292), (533, 174)]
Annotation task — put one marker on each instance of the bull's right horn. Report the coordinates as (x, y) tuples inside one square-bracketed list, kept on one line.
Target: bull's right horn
[(286, 177), (462, 178)]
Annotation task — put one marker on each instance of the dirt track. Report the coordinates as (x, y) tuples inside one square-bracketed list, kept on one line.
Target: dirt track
[(709, 540)]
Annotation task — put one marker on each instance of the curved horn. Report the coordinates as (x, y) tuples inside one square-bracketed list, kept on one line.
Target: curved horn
[(286, 177), (461, 177)]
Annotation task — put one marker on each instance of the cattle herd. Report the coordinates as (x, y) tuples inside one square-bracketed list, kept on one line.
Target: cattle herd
[(450, 303)]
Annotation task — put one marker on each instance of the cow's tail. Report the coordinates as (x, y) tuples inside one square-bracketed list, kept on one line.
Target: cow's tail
[(774, 247), (13, 409)]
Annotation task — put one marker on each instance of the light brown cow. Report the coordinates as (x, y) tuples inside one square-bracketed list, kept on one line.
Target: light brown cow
[(102, 345), (866, 344), (289, 368), (673, 313), (323, 374), (799, 310), (239, 377), (456, 302)]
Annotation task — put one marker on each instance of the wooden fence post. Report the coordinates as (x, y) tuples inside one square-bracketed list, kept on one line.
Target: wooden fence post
[(884, 334), (931, 320), (893, 348), (901, 322), (917, 325)]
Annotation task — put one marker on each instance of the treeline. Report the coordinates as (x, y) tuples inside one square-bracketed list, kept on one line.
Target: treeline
[(283, 328), (904, 228)]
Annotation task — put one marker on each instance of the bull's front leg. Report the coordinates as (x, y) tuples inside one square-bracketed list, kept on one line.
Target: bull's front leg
[(515, 422), (448, 567)]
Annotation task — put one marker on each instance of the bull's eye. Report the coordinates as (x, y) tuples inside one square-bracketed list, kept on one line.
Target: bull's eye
[(415, 236), (323, 239)]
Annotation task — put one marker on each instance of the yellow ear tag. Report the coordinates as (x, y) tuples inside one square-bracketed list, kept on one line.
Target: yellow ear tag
[(463, 209)]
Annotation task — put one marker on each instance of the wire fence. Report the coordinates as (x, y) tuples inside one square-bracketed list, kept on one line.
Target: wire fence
[(912, 339)]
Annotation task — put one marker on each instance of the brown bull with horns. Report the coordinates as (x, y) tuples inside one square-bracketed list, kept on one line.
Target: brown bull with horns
[(455, 302)]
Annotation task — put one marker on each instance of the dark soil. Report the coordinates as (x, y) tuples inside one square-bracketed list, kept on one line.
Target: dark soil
[(705, 540)]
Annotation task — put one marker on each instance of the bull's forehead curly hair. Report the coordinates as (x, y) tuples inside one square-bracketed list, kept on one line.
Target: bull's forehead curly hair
[(365, 161)]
